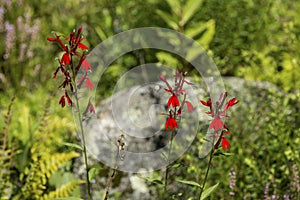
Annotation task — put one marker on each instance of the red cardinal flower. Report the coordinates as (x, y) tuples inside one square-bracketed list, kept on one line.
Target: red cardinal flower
[(62, 101), (219, 112), (171, 123), (90, 108), (85, 65), (65, 60), (89, 84), (216, 124), (189, 106), (70, 103), (173, 100), (225, 144), (231, 102), (82, 46)]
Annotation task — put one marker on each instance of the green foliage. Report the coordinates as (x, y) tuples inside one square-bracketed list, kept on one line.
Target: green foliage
[(253, 39), (30, 152), (6, 154)]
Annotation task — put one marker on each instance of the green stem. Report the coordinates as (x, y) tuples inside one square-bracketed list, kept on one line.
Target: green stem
[(207, 171), (169, 154), (110, 182), (209, 162), (88, 185)]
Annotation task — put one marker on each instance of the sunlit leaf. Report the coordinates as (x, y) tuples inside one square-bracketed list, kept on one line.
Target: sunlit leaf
[(189, 10), (168, 19), (189, 182), (208, 191)]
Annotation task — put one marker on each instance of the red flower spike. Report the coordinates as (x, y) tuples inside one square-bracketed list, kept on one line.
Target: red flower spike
[(216, 124), (189, 106), (225, 144), (171, 123), (62, 101), (173, 100), (89, 84)]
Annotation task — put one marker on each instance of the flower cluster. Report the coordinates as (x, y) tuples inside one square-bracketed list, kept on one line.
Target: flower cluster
[(219, 113), (174, 104), (73, 48)]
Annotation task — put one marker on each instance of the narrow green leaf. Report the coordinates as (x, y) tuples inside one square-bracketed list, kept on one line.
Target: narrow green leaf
[(175, 6), (222, 154), (72, 145), (208, 35), (190, 9), (208, 191), (189, 182), (168, 19), (196, 29), (100, 33)]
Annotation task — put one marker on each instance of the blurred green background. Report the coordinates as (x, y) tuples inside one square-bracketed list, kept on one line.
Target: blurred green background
[(250, 39)]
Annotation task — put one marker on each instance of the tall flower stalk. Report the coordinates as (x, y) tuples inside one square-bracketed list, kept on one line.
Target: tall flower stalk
[(176, 106), (73, 49), (218, 113)]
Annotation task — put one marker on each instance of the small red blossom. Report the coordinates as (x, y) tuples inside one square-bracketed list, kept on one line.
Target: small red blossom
[(90, 108), (62, 101), (225, 144), (171, 123), (173, 101), (70, 103), (51, 39), (189, 106), (89, 84), (231, 102), (65, 60), (86, 66), (216, 124), (82, 46)]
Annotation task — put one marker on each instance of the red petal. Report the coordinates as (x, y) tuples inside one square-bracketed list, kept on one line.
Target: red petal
[(82, 46), (62, 101), (89, 84), (162, 78), (68, 99), (204, 103), (167, 124), (86, 65), (65, 60), (51, 39), (91, 108), (190, 107), (173, 101), (216, 124), (225, 144)]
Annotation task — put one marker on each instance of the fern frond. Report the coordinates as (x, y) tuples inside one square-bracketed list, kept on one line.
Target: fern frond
[(56, 160), (64, 191), (40, 171)]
